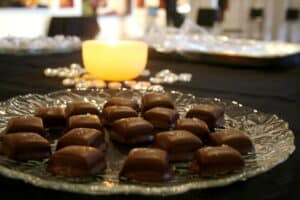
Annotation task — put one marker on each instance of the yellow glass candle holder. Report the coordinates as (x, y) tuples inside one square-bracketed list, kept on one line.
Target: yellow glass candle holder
[(114, 60)]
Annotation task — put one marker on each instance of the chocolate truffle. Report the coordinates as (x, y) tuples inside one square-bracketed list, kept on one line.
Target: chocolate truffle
[(84, 121), (217, 160), (213, 115), (132, 130), (83, 136), (195, 126), (77, 161), (25, 124), (113, 113), (180, 144), (122, 101), (162, 118), (53, 117), (151, 100), (25, 146), (80, 108), (147, 164), (234, 138)]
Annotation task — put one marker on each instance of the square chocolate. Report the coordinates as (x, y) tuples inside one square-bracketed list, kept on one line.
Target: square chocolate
[(77, 161), (217, 160), (234, 138), (151, 100), (53, 117), (113, 113), (161, 118), (147, 164), (25, 146), (132, 130), (80, 108), (122, 101), (83, 136), (180, 144), (26, 124), (213, 115), (195, 126), (84, 121)]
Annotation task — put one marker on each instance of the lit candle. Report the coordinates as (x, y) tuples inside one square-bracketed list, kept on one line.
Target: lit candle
[(115, 60)]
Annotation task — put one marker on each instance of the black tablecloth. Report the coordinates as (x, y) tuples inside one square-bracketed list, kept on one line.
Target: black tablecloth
[(269, 90)]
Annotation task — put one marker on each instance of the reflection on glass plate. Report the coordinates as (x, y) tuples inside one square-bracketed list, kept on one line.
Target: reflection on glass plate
[(274, 143)]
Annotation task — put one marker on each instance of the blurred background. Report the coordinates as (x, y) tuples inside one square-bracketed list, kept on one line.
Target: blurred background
[(254, 19)]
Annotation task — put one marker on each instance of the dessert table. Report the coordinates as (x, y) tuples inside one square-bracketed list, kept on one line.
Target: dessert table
[(271, 90)]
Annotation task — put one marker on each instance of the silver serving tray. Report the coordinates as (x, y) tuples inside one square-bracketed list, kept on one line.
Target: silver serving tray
[(273, 140)]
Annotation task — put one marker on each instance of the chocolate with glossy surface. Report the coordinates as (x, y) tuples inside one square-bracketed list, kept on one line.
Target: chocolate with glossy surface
[(25, 124), (162, 118), (83, 136), (84, 121), (180, 144), (147, 164), (113, 113), (217, 160), (234, 138), (151, 100), (132, 130), (213, 115), (195, 126), (77, 161), (25, 146), (53, 117), (80, 108), (122, 101)]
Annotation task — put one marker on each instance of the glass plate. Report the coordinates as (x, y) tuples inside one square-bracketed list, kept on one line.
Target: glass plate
[(273, 140)]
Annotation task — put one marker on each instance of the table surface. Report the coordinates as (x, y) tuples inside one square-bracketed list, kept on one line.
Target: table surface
[(273, 90)]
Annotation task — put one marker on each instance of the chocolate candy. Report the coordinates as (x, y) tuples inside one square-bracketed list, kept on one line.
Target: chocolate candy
[(113, 113), (195, 126), (162, 118), (121, 101), (132, 130), (84, 121), (213, 115), (147, 164), (80, 108), (25, 124), (83, 136), (180, 144), (77, 161), (25, 146), (53, 117), (233, 138), (151, 100), (217, 160)]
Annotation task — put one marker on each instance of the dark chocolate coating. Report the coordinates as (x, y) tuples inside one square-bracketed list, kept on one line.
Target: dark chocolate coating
[(147, 164), (25, 146), (82, 136), (84, 121), (234, 138), (80, 108), (113, 113), (213, 115), (195, 126), (151, 100), (53, 117), (162, 118), (25, 124), (217, 160), (132, 130), (180, 144), (121, 101), (77, 161)]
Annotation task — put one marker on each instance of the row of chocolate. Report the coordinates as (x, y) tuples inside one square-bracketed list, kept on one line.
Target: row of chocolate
[(81, 149)]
